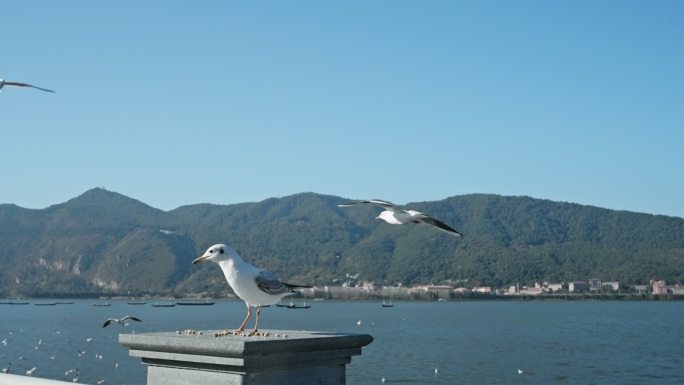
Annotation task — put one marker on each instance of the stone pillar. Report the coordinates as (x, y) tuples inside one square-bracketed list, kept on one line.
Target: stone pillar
[(282, 357)]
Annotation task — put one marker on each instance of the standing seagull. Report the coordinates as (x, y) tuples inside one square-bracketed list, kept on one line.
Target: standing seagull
[(396, 216), (121, 321), (17, 84), (257, 287)]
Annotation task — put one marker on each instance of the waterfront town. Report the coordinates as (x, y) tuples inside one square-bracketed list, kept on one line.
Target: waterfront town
[(592, 288)]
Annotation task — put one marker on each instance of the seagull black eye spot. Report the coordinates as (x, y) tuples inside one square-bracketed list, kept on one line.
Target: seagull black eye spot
[(221, 251), (211, 251)]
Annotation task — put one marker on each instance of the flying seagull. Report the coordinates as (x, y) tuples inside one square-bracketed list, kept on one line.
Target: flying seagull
[(121, 321), (17, 84), (396, 216), (257, 287)]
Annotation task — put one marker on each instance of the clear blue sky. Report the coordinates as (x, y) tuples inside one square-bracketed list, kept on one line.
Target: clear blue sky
[(176, 103)]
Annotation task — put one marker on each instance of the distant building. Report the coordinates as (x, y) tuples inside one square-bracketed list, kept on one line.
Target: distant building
[(659, 287), (677, 290), (442, 291), (578, 287), (641, 289), (531, 291), (595, 284), (482, 289), (610, 286), (555, 287)]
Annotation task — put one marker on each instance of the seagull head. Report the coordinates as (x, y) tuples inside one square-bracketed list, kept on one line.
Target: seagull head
[(215, 253)]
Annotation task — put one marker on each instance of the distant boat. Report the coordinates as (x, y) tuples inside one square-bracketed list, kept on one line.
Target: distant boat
[(102, 304), (171, 304), (45, 303), (136, 303), (194, 303), (18, 303), (387, 304), (65, 302)]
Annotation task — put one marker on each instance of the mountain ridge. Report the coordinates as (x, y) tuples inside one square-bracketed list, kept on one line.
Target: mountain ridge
[(103, 242)]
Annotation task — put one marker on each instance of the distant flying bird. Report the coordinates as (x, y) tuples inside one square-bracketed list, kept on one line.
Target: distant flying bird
[(30, 371), (68, 372), (396, 216), (17, 84), (257, 287), (122, 321)]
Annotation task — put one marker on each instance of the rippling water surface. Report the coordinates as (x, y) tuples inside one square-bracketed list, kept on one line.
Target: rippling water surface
[(415, 342)]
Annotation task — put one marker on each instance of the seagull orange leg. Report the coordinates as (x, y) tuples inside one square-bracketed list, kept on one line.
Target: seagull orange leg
[(256, 322), (242, 326)]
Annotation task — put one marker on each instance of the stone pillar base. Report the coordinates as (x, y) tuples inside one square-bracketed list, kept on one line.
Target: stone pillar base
[(283, 357)]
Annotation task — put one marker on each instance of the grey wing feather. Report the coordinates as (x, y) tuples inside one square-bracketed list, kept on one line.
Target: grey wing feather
[(18, 84), (269, 283), (387, 205), (130, 318), (107, 322), (440, 225)]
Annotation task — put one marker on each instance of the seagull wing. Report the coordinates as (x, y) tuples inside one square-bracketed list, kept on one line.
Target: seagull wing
[(295, 286), (439, 224), (128, 317), (17, 84), (387, 205), (269, 283), (107, 322)]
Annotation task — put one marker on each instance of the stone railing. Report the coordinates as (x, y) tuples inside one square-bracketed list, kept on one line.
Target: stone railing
[(12, 379)]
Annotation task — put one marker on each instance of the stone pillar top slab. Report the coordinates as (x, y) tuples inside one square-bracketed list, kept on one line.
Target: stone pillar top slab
[(276, 342)]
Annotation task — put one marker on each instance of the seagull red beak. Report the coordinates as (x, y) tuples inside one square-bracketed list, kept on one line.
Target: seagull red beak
[(199, 260)]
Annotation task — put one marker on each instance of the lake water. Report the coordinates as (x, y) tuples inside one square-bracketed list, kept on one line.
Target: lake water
[(552, 342)]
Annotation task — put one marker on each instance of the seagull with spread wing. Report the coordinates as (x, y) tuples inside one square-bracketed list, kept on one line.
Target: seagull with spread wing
[(396, 216), (123, 321), (18, 84), (257, 287)]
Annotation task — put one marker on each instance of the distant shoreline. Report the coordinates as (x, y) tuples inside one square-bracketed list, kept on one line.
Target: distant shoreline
[(373, 297)]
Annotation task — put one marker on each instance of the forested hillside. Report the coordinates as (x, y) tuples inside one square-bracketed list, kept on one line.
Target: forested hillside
[(105, 243)]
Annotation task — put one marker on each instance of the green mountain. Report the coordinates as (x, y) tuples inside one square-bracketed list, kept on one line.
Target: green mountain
[(105, 243)]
